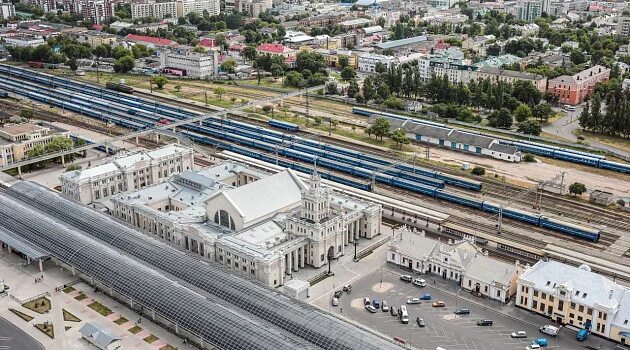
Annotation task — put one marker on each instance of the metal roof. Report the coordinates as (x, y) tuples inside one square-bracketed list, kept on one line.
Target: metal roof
[(268, 316), (16, 242), (402, 42), (101, 337)]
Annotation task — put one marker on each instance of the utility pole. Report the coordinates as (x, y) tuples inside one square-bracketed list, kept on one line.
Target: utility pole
[(427, 152), (307, 108), (206, 94)]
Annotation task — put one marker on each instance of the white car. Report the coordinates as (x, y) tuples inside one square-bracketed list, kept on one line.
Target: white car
[(384, 306), (370, 308), (519, 334), (335, 301), (419, 282), (414, 301), (532, 347)]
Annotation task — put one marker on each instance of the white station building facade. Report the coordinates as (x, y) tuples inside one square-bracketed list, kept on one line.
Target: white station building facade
[(260, 225)]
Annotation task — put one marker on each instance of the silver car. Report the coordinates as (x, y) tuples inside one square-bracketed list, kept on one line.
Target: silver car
[(335, 301), (414, 301), (519, 334), (384, 306)]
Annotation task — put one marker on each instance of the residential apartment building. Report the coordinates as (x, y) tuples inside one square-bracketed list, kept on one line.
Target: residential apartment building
[(126, 172), (369, 61), (510, 76), (260, 226), (576, 296), (573, 89), (94, 38), (45, 5), (460, 261), (455, 72), (212, 6), (529, 10), (7, 10), (276, 50), (623, 25), (99, 11), (16, 140), (193, 64), (172, 9), (441, 4)]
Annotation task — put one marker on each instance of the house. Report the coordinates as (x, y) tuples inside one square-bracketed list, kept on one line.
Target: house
[(236, 51), (99, 337), (492, 278)]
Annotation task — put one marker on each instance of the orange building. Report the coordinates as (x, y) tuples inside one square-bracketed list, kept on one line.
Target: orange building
[(573, 89)]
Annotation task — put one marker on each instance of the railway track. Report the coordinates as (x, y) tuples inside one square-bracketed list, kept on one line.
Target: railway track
[(496, 189)]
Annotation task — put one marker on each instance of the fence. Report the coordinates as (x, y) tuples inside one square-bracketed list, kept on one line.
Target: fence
[(22, 302)]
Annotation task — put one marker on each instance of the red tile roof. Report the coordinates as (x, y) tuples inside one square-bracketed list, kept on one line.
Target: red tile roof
[(207, 42), (150, 40), (273, 48), (236, 47)]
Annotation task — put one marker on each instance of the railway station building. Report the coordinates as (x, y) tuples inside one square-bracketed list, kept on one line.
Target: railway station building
[(576, 297), (126, 172), (261, 226), (17, 139), (460, 261)]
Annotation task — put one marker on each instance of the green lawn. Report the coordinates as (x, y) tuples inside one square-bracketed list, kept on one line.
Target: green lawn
[(100, 308), (22, 315), (135, 329)]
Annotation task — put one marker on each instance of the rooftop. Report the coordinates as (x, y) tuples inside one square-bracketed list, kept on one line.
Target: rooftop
[(490, 270), (19, 129), (402, 42), (150, 40)]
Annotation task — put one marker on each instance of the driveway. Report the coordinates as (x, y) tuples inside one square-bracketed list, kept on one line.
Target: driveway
[(11, 337)]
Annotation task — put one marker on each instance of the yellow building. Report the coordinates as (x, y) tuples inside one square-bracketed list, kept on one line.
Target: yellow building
[(577, 297), (94, 38), (16, 140)]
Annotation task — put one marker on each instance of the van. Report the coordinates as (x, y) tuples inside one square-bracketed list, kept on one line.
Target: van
[(406, 278), (404, 316), (551, 330), (420, 282), (582, 335)]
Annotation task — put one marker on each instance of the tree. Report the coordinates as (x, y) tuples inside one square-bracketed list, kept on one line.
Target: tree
[(400, 138), (312, 61), (276, 71), (219, 91), (501, 119), (73, 167), (380, 67), (348, 74), (530, 127), (577, 57), (577, 188), (529, 158), (331, 88), (359, 98), (160, 81), (394, 103), (466, 115), (59, 143), (522, 113), (353, 88), (229, 66), (27, 113), (124, 64), (478, 171), (250, 53), (369, 90), (343, 62), (585, 116), (381, 127), (542, 112), (72, 64)]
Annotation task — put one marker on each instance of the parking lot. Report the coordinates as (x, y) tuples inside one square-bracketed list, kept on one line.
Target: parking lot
[(443, 327)]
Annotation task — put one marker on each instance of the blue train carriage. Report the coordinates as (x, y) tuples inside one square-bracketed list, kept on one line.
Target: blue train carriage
[(4, 94), (459, 199), (614, 166), (571, 229), (284, 125), (576, 158), (542, 151)]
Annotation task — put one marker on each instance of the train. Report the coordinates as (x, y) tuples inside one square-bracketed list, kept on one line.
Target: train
[(36, 64), (111, 150), (119, 87), (594, 160), (284, 125), (4, 94), (216, 132)]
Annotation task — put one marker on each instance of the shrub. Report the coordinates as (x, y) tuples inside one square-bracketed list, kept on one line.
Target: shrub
[(478, 171), (529, 158)]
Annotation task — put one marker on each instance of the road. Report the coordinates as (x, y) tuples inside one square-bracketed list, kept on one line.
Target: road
[(443, 327), (14, 338)]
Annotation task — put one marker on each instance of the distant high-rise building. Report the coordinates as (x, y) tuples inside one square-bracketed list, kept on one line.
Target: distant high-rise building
[(623, 25), (45, 5), (529, 10), (172, 9), (7, 10), (98, 11)]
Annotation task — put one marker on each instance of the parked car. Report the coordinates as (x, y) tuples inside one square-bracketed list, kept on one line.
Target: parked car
[(532, 347), (384, 306), (376, 303), (420, 322), (406, 278), (419, 282), (426, 296), (335, 301), (519, 334), (370, 308), (462, 312), (393, 311), (414, 301), (439, 304), (484, 322), (538, 343), (338, 294), (550, 330), (367, 301), (347, 288)]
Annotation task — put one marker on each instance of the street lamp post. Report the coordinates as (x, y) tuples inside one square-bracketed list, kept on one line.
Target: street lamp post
[(355, 243), (329, 259)]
